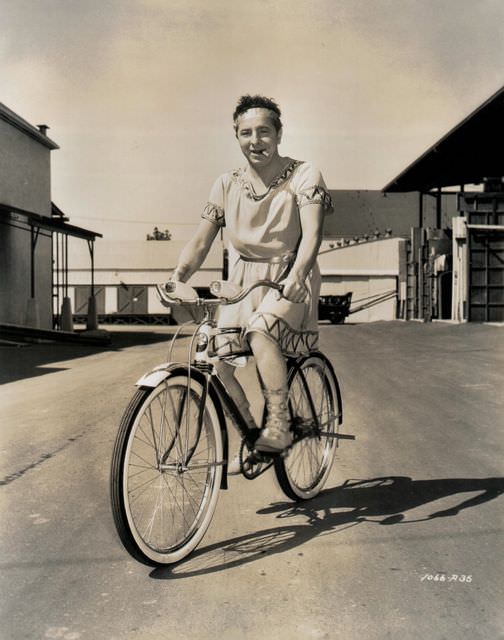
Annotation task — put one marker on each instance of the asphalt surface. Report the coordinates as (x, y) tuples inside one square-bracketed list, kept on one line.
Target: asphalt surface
[(405, 542)]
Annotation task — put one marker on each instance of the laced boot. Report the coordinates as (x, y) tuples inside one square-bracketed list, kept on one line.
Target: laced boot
[(276, 435)]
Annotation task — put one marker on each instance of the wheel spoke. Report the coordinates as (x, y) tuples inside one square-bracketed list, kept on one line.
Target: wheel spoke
[(138, 473), (151, 423), (145, 486), (149, 464)]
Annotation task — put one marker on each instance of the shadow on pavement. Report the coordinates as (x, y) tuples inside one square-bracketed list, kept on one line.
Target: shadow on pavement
[(19, 361), (383, 501)]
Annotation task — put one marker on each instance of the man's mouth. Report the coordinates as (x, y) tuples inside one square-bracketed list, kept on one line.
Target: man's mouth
[(258, 152)]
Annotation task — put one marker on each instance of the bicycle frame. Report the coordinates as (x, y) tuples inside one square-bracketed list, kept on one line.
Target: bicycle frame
[(202, 369)]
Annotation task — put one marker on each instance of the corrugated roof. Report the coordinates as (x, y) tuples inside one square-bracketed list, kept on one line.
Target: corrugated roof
[(357, 212), (467, 154), (139, 255)]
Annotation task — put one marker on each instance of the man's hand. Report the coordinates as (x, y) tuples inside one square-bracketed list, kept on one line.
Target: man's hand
[(294, 289), (178, 275)]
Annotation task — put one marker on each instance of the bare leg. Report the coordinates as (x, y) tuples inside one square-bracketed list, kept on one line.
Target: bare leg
[(235, 390), (270, 362)]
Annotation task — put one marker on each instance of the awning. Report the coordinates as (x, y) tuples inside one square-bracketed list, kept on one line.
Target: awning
[(467, 154), (14, 214)]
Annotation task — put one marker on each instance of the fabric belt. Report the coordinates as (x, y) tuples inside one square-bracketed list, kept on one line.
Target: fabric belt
[(284, 259)]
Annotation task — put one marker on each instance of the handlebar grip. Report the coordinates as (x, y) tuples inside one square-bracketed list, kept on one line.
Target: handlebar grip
[(225, 289), (170, 286), (232, 292), (176, 291)]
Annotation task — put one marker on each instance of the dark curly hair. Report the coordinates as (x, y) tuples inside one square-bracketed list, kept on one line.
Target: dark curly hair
[(258, 102)]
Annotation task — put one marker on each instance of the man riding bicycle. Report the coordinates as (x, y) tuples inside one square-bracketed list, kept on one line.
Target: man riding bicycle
[(273, 210)]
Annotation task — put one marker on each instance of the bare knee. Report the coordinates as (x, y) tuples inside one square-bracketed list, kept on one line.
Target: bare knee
[(259, 342), (263, 348)]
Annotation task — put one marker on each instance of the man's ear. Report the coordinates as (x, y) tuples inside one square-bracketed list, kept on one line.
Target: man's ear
[(279, 135)]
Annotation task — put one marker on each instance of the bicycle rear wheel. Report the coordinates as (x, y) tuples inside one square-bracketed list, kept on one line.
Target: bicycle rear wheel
[(316, 413), (166, 470)]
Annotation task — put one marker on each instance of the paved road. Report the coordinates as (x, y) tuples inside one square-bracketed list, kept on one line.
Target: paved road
[(421, 500)]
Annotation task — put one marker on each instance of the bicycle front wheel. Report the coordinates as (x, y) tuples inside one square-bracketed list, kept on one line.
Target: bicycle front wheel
[(166, 470), (316, 413)]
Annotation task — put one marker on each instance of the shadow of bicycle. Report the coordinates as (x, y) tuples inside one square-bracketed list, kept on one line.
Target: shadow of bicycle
[(389, 500)]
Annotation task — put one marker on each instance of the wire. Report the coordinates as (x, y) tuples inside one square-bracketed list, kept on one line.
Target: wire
[(125, 220), (375, 295)]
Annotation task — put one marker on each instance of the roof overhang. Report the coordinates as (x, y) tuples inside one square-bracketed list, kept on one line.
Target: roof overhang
[(30, 218), (24, 126), (467, 154)]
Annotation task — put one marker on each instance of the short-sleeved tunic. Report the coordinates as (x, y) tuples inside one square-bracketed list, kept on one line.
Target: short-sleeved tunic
[(264, 231)]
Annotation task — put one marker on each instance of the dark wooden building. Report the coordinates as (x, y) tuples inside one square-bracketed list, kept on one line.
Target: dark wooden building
[(468, 162)]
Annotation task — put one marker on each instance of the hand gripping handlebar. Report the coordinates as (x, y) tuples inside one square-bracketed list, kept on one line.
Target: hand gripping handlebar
[(175, 292)]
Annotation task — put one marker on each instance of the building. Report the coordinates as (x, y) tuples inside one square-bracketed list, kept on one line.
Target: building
[(363, 252), (467, 163), (33, 231), (125, 277), (366, 246)]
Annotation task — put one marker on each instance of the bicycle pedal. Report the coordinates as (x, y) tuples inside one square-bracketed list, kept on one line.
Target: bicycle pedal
[(259, 457), (254, 465)]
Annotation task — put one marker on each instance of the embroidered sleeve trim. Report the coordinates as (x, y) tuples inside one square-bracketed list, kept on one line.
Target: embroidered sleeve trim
[(214, 214), (315, 195)]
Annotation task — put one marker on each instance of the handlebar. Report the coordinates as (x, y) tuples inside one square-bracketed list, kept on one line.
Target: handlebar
[(174, 292), (224, 290)]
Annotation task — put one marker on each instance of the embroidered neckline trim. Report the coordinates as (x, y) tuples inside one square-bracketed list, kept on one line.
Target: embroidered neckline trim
[(239, 176)]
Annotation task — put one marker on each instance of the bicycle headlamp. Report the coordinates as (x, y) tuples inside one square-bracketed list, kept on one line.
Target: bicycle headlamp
[(201, 342)]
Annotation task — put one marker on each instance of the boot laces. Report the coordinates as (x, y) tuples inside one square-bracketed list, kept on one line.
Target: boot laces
[(277, 420)]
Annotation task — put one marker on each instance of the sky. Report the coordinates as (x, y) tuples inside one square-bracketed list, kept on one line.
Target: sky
[(139, 94)]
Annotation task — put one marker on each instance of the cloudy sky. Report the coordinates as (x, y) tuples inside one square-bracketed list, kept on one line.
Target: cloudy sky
[(139, 93)]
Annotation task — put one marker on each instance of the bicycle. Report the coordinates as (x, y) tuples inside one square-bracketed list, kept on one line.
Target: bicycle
[(170, 455)]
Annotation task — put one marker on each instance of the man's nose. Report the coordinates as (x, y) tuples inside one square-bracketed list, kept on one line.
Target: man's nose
[(254, 139)]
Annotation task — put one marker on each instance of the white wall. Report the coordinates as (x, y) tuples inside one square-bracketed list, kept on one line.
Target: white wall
[(367, 269)]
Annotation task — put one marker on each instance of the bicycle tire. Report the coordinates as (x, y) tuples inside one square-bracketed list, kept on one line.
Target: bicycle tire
[(161, 515), (304, 471)]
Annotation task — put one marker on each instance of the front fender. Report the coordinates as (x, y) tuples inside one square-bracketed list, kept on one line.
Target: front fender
[(163, 371), (157, 375)]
